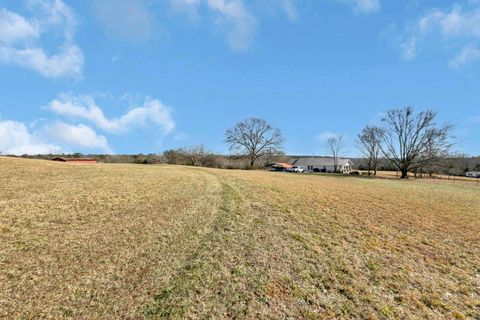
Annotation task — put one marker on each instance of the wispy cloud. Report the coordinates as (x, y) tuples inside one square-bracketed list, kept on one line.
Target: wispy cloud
[(239, 23), (231, 17), (189, 7), (20, 38), (152, 112), (409, 48), (453, 27), (14, 28), (290, 9), (366, 6), (468, 54), (362, 6), (129, 19)]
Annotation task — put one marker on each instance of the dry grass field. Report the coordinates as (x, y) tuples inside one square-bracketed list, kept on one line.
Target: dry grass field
[(169, 242), (434, 178)]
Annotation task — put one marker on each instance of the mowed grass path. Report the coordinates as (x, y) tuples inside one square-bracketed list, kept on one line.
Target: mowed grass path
[(169, 242)]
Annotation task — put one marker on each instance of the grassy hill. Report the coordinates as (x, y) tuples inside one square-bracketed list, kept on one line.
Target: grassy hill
[(133, 241)]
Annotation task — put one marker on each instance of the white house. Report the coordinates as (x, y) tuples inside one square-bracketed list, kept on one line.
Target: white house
[(323, 164), (473, 174)]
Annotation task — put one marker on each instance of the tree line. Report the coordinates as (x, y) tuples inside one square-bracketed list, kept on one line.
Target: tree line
[(411, 141), (405, 140)]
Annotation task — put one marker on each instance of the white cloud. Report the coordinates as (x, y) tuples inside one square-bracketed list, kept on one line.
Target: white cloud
[(455, 26), (290, 10), (237, 21), (468, 54), (19, 39), (189, 7), (129, 19), (366, 6), (456, 23), (15, 28), (240, 22), (68, 62), (77, 136), (363, 6), (232, 17), (16, 139), (54, 14), (153, 112), (409, 48)]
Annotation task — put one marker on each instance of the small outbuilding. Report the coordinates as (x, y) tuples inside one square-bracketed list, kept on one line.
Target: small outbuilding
[(473, 174), (279, 166), (76, 160), (323, 164)]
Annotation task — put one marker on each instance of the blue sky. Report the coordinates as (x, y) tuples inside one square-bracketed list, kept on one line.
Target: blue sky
[(128, 76)]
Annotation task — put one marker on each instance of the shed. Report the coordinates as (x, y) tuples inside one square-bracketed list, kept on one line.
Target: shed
[(76, 160)]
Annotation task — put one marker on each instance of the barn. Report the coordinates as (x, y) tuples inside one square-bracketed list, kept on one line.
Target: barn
[(76, 160)]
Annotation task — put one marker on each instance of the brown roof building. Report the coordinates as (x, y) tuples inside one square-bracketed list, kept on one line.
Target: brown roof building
[(76, 160)]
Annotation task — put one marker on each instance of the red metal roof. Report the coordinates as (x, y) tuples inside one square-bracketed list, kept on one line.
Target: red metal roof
[(61, 159), (282, 165)]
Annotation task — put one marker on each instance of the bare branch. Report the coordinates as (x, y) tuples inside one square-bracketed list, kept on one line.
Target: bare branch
[(253, 138), (411, 140), (335, 144)]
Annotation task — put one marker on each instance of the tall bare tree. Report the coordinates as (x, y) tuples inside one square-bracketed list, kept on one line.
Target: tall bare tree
[(252, 138), (194, 155), (369, 140), (411, 139), (335, 145)]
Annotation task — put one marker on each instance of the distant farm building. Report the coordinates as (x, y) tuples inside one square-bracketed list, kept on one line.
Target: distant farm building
[(76, 160), (473, 174), (323, 164), (279, 166)]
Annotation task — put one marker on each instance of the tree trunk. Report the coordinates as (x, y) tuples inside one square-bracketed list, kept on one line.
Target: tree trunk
[(252, 162), (404, 173)]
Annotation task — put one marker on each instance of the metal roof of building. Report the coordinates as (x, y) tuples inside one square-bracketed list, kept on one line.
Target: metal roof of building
[(320, 161)]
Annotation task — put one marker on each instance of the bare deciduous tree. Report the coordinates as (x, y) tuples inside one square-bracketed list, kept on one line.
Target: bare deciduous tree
[(433, 160), (173, 156), (253, 138), (194, 155), (369, 140), (335, 145), (411, 140)]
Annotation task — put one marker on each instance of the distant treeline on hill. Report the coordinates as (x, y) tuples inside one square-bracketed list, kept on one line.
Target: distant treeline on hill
[(191, 157), (199, 157)]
